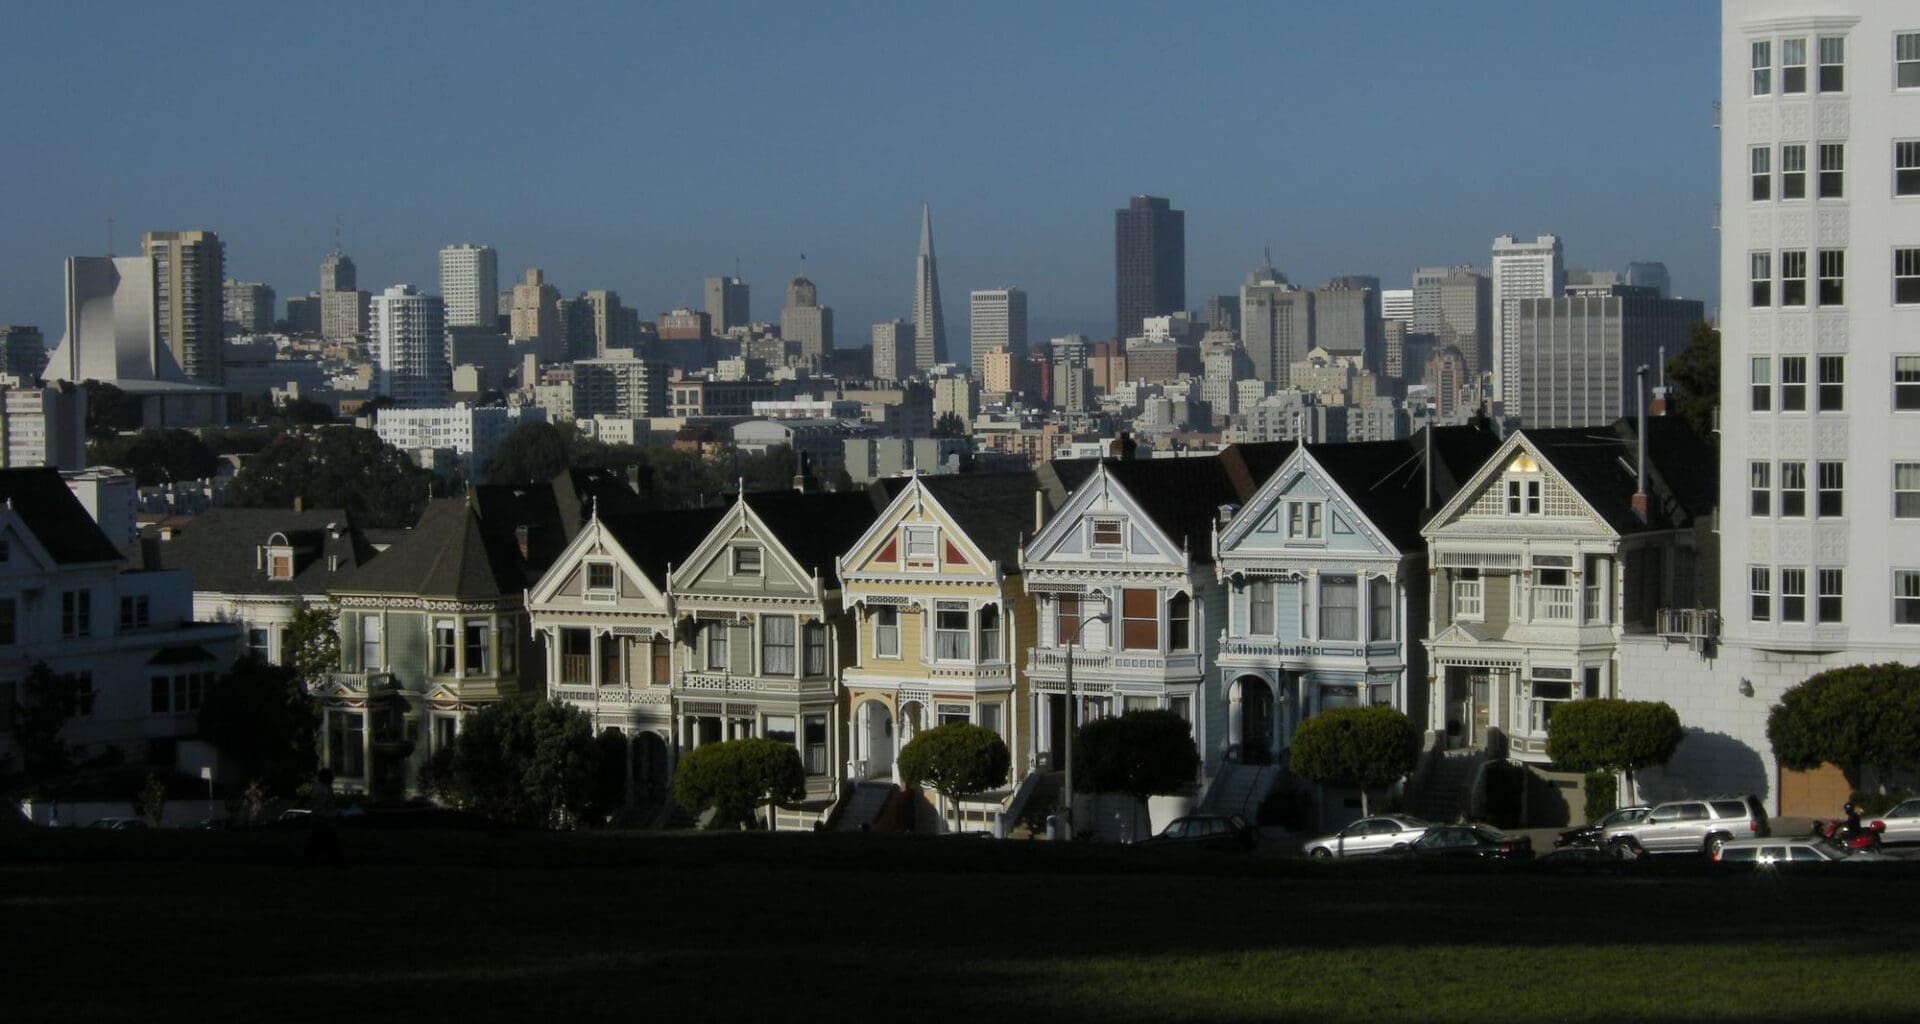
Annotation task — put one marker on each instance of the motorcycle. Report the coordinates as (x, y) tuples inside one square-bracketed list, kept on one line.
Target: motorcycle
[(1853, 837)]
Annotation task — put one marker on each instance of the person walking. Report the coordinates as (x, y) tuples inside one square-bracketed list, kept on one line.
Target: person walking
[(323, 838)]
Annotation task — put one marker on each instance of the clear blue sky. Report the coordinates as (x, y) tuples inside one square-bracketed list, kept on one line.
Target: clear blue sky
[(641, 147)]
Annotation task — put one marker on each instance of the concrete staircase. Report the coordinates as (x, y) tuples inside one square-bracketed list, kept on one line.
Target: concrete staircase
[(863, 806), (1239, 789), (1039, 797), (1446, 790)]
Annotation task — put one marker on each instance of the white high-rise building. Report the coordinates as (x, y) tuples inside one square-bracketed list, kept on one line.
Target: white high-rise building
[(1397, 304), (1521, 270), (406, 336), (470, 285), (998, 320)]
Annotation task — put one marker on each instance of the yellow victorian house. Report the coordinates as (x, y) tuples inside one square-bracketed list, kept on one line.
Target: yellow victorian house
[(933, 588)]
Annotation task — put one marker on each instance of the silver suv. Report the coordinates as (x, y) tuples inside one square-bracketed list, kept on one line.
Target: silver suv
[(1690, 826)]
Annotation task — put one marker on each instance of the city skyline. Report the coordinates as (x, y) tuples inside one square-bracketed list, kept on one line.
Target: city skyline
[(1020, 199)]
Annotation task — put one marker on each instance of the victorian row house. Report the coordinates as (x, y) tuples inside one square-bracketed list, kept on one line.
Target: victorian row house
[(1563, 542)]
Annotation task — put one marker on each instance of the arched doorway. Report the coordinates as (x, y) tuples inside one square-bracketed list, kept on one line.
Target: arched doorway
[(650, 767), (1254, 732), (873, 749)]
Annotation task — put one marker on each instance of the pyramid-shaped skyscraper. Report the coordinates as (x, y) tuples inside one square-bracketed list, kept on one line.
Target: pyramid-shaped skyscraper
[(929, 329)]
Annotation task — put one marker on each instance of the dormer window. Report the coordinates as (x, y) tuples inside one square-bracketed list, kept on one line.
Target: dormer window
[(921, 548), (599, 577), (1106, 533), (1524, 486), (279, 563), (746, 561)]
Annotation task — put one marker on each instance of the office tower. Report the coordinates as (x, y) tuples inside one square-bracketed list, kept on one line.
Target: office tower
[(1521, 270), (1393, 350), (1446, 374), (1426, 296), (1820, 340), (534, 314), (343, 307), (1574, 357), (1346, 318), (1221, 312), (303, 314), (893, 350), (604, 324), (726, 304), (1650, 275), (470, 285), (1397, 304), (1070, 349), (188, 268), (23, 351), (1465, 300), (624, 388), (929, 326), (1276, 324), (998, 320), (249, 306), (407, 341), (806, 322), (1149, 263)]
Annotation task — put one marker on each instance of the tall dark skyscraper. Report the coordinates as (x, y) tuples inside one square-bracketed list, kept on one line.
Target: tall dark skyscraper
[(1149, 263)]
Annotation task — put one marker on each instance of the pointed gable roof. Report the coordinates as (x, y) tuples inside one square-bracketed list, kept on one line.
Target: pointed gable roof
[(1598, 463), (1387, 480), (994, 510), (57, 519), (816, 529), (452, 552), (657, 541)]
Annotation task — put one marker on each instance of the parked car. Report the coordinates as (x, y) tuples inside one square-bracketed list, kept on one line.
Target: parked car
[(1470, 842), (120, 824), (1902, 823), (1379, 834), (1802, 850), (1206, 832), (1690, 826), (1590, 833)]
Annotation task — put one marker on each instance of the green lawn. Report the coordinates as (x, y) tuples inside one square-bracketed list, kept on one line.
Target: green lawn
[(479, 926)]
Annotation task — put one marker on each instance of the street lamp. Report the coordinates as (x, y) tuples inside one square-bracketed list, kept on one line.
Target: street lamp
[(1068, 787)]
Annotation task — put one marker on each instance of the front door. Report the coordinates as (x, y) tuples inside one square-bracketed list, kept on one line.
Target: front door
[(1056, 731), (1256, 722), (1479, 698)]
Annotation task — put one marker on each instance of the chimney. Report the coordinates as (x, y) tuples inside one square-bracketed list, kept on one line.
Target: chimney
[(520, 539), (1640, 466), (1661, 401), (1039, 511), (299, 503)]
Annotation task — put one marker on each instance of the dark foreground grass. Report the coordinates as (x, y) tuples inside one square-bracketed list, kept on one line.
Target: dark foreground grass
[(478, 926)]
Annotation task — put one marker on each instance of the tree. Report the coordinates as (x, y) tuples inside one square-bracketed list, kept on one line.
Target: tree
[(334, 467), (1858, 717), (157, 456), (534, 453), (1365, 747), (1608, 735), (311, 644), (950, 425), (1139, 753), (524, 761), (261, 716), (47, 700), (955, 761), (736, 777), (109, 410), (1696, 369)]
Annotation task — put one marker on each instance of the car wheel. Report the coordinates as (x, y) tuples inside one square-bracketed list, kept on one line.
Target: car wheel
[(1625, 849), (1321, 853), (1713, 844)]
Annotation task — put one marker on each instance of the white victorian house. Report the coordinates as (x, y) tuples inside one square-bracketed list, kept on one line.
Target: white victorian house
[(1325, 576), (1544, 559)]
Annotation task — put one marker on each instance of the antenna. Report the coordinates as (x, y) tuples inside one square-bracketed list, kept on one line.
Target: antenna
[(109, 234), (336, 234)]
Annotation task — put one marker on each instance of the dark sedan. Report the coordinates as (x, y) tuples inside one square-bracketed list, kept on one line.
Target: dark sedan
[(1205, 832), (1590, 833), (1471, 842)]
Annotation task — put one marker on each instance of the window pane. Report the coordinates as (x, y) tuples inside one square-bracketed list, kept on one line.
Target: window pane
[(1339, 608), (1140, 612), (1906, 168), (1906, 598), (1906, 490), (1833, 379), (1906, 383), (1906, 276), (1832, 167)]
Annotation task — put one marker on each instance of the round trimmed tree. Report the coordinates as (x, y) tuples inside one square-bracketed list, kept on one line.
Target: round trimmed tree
[(1617, 736), (1365, 747), (737, 777), (1139, 753), (1859, 717), (955, 761)]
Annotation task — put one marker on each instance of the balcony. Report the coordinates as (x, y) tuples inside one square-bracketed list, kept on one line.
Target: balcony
[(1554, 604), (1049, 663), (1695, 627), (713, 683)]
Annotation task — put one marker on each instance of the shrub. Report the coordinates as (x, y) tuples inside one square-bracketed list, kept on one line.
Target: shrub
[(955, 760), (1364, 747), (735, 777), (1608, 735)]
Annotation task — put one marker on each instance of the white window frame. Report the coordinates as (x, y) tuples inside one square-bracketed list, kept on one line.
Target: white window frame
[(1831, 52), (1096, 525), (746, 561), (599, 590), (1760, 488), (1793, 383), (1906, 383), (1906, 168), (1829, 481), (914, 536), (1761, 62), (1906, 597), (965, 632), (1760, 384), (1306, 520), (1793, 594), (1906, 60), (1792, 503), (1793, 278), (1760, 171), (1760, 280), (1829, 585), (1790, 62), (1906, 495), (886, 636), (1906, 272), (1832, 392), (1831, 288), (1833, 171), (1793, 171), (1759, 593)]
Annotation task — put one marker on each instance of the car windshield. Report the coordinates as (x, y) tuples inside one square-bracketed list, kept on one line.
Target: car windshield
[(1906, 809)]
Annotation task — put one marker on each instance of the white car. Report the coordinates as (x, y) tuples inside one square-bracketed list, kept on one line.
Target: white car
[(1775, 850), (1382, 833), (1902, 824)]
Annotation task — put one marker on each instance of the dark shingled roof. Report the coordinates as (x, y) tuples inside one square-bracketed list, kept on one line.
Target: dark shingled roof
[(994, 510), (657, 541), (1388, 479), (816, 529), (1598, 462), (1182, 495), (455, 551), (56, 518), (220, 549)]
